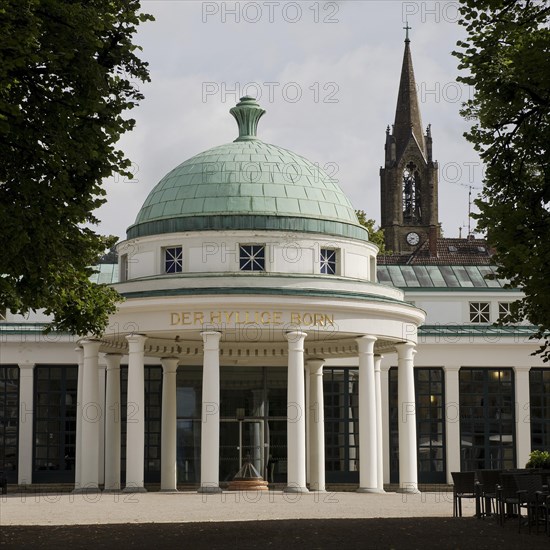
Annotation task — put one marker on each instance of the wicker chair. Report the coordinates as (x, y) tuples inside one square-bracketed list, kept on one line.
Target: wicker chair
[(463, 487), (507, 496), (488, 481), (543, 508), (528, 487)]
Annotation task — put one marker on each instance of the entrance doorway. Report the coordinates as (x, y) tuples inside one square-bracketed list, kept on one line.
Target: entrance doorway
[(241, 440), (252, 422)]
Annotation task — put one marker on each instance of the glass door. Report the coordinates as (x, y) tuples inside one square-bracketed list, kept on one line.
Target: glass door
[(241, 441)]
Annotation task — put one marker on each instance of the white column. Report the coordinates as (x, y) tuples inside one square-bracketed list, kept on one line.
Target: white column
[(210, 427), (316, 425), (385, 386), (379, 425), (26, 417), (258, 455), (308, 422), (112, 423), (101, 448), (296, 415), (408, 470), (523, 422), (78, 434), (91, 417), (135, 418), (168, 463), (368, 477), (452, 420)]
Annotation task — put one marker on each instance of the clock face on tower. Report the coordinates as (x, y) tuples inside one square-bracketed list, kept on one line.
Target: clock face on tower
[(413, 238)]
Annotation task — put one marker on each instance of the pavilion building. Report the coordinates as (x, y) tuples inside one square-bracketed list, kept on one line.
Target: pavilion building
[(260, 324)]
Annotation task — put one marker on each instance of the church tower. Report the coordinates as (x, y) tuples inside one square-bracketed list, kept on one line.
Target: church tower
[(408, 180)]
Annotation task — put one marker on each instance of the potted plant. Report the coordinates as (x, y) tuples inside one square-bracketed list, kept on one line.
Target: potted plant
[(539, 459)]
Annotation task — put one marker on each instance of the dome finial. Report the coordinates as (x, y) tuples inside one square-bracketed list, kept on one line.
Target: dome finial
[(247, 113)]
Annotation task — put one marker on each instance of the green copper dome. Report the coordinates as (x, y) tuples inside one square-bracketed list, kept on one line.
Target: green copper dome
[(247, 184)]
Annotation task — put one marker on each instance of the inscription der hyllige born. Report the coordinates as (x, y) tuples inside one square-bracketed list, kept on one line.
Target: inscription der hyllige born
[(251, 317)]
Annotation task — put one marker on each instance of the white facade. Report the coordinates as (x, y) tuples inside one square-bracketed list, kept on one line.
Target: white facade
[(267, 344), (250, 330), (218, 252)]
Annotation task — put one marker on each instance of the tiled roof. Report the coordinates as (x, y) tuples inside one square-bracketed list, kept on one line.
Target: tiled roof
[(449, 252)]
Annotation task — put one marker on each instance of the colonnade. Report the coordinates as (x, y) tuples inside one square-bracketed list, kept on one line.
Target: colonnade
[(305, 418), (372, 479)]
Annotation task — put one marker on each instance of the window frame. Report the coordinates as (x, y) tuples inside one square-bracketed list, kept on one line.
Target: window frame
[(340, 386), (504, 309), (123, 272), (323, 262), (479, 312), (538, 408), (487, 416), (428, 382), (252, 259), (177, 259), (10, 376), (54, 423), (410, 193)]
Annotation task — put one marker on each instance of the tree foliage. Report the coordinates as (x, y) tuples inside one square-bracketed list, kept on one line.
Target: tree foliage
[(376, 236), (506, 60), (68, 72)]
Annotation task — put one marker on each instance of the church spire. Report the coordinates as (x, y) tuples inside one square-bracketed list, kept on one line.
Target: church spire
[(408, 179), (407, 116)]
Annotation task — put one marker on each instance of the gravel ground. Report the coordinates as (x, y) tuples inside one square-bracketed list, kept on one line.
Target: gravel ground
[(238, 521), (392, 533)]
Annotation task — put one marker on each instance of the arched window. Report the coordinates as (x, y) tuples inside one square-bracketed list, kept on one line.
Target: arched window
[(411, 194)]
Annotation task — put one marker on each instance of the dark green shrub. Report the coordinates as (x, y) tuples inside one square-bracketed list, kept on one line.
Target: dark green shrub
[(539, 459)]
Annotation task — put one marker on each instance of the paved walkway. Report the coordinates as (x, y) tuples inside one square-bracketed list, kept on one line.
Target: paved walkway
[(103, 508)]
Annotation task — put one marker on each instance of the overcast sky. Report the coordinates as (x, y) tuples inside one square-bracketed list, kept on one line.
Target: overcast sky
[(328, 75)]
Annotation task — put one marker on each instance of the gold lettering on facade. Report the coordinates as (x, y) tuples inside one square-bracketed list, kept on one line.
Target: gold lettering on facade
[(198, 318), (215, 316), (322, 319), (263, 318), (186, 318)]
